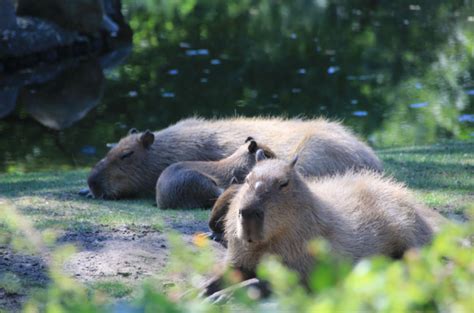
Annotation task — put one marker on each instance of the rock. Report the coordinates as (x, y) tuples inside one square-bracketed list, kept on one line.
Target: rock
[(125, 271), (84, 16), (33, 35), (7, 15)]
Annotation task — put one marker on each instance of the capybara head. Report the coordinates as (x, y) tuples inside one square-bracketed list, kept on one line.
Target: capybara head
[(266, 199), (244, 158), (121, 173)]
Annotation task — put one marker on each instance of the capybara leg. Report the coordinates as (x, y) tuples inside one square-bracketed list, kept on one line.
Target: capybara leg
[(218, 283), (224, 295)]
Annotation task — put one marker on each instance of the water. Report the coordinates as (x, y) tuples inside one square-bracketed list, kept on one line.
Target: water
[(398, 74)]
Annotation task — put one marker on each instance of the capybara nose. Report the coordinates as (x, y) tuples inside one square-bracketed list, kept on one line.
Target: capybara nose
[(251, 214), (94, 186)]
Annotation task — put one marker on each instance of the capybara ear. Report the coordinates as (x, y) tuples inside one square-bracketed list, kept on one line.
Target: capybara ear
[(248, 139), (147, 139), (133, 131), (253, 146), (294, 161), (260, 156)]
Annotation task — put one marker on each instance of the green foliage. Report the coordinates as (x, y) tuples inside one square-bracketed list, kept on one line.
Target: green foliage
[(114, 289), (10, 283)]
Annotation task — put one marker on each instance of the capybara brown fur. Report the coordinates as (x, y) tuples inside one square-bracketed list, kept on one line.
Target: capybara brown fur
[(197, 184), (133, 166), (220, 209), (278, 212)]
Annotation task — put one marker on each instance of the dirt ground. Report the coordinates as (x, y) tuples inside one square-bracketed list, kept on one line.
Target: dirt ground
[(128, 253)]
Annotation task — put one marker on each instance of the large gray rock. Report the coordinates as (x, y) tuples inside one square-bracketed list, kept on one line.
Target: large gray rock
[(32, 35), (85, 16), (7, 15)]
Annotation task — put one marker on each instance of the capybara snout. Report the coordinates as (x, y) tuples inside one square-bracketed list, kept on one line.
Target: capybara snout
[(94, 180), (251, 213), (251, 224)]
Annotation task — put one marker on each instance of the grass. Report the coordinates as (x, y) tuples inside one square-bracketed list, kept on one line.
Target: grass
[(51, 200), (113, 289), (441, 175)]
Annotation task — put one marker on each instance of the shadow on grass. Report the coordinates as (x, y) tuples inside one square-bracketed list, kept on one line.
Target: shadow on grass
[(439, 149), (35, 184), (432, 175)]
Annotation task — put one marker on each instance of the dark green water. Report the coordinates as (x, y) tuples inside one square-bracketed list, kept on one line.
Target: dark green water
[(399, 74)]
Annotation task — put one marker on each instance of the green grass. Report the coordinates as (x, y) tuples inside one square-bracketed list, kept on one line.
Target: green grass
[(113, 289), (51, 200), (442, 176)]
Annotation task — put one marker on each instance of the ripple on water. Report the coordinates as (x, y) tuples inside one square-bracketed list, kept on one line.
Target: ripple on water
[(333, 69), (469, 118), (302, 71), (168, 94), (418, 105), (193, 52), (360, 113)]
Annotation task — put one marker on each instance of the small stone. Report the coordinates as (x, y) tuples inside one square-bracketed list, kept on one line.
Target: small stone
[(125, 272)]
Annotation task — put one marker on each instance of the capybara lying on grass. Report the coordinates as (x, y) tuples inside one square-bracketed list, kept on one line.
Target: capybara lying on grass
[(133, 166), (197, 184), (277, 211)]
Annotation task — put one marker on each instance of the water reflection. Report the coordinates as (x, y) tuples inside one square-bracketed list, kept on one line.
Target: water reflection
[(61, 102), (399, 73)]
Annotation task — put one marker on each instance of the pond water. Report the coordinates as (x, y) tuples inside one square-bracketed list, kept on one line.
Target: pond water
[(398, 73)]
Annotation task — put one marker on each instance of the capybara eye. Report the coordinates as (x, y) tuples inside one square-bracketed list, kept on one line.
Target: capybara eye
[(126, 155), (284, 184)]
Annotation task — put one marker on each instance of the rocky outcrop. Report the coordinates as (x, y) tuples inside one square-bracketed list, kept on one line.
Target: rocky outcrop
[(83, 16), (49, 31)]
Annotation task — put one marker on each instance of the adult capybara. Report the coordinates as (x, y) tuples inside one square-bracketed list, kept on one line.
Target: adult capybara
[(277, 211), (197, 184), (134, 165)]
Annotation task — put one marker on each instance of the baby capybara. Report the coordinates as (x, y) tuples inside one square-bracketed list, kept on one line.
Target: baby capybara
[(277, 211), (197, 184), (133, 166)]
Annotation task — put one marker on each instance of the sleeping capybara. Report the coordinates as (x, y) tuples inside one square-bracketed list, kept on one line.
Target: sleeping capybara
[(133, 166), (197, 184), (277, 211)]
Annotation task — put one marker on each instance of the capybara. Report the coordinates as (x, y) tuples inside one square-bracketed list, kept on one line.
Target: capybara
[(277, 211), (220, 209), (197, 184), (133, 166)]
